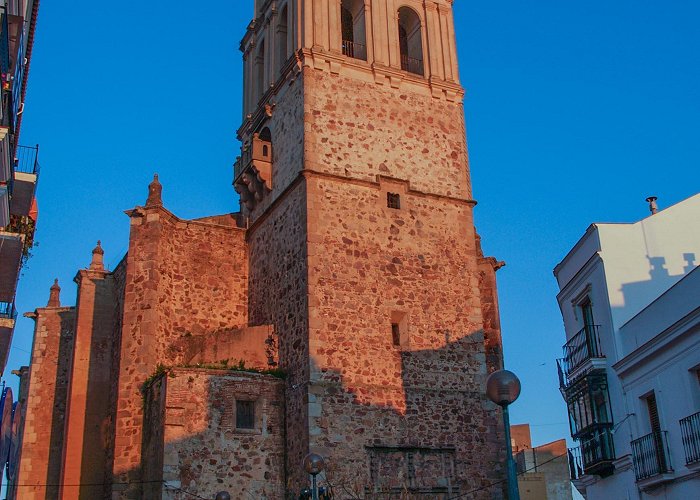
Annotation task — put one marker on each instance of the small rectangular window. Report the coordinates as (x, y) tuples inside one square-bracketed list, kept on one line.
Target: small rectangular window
[(245, 414), (399, 329), (393, 200), (396, 334)]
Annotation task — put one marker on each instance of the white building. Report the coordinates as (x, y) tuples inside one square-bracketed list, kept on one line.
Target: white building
[(630, 300)]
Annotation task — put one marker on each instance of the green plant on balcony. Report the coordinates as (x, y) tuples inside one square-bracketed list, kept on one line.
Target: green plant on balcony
[(22, 224)]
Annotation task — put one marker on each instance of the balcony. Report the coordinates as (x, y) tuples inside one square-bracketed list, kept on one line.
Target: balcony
[(11, 252), (412, 65), (8, 315), (26, 174), (690, 431), (652, 464), (581, 352), (16, 54), (354, 50), (594, 457), (252, 172), (4, 203)]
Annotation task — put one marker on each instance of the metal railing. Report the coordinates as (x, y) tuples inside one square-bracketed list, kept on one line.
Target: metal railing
[(355, 50), (7, 310), (576, 470), (4, 45), (690, 431), (412, 65), (581, 347), (651, 455), (18, 77), (593, 456), (27, 159), (6, 79)]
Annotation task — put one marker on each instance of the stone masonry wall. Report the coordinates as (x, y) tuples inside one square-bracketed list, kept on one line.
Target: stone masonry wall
[(119, 277), (23, 374), (204, 450), (88, 430), (183, 279), (278, 296), (360, 130), (153, 437), (42, 444), (287, 129), (371, 266)]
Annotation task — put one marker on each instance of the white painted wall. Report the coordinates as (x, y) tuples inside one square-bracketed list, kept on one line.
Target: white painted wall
[(644, 285), (644, 259)]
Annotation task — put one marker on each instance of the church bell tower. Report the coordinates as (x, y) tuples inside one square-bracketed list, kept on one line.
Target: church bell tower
[(354, 179)]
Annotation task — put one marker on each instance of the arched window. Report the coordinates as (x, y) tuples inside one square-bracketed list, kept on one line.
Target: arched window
[(282, 24), (260, 73), (352, 17), (410, 41), (265, 135)]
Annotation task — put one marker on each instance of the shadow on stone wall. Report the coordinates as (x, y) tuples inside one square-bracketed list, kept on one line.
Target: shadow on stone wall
[(65, 353), (438, 438)]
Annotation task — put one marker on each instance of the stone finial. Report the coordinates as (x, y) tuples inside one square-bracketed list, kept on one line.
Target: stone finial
[(55, 295), (98, 254), (155, 191)]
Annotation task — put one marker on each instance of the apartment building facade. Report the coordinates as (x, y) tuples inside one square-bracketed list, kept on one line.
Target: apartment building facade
[(19, 165), (630, 300)]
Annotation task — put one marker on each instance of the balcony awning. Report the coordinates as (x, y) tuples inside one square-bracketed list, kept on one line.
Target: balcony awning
[(34, 211)]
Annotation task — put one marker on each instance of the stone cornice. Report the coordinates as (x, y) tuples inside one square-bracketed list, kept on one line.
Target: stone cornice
[(305, 174), (91, 274), (379, 178), (673, 333), (140, 211), (35, 314)]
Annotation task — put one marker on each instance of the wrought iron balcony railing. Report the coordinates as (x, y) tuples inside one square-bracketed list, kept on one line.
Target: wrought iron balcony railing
[(583, 346), (7, 310), (594, 456), (651, 455), (412, 65), (4, 45), (690, 430), (355, 50), (27, 159)]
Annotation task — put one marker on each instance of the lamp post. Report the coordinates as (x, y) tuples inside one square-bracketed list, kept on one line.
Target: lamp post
[(222, 495), (503, 388), (314, 464)]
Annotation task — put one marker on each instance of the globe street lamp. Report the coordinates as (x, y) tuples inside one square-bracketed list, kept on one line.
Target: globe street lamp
[(314, 464), (503, 388), (222, 495)]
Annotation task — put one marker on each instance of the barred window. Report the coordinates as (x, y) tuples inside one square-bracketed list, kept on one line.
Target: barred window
[(245, 414)]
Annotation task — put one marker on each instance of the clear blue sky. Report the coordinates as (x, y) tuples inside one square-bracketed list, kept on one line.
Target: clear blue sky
[(576, 111)]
